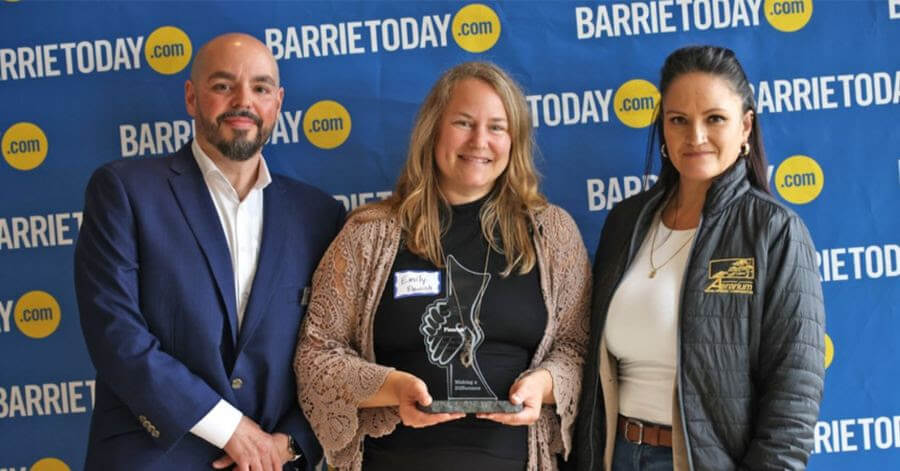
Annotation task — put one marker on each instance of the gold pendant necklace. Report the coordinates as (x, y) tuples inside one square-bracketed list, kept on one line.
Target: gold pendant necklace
[(653, 267)]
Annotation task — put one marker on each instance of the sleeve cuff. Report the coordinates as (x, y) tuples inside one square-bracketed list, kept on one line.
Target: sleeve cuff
[(217, 426)]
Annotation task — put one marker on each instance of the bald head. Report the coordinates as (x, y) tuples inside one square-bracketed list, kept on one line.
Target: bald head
[(228, 45), (234, 96)]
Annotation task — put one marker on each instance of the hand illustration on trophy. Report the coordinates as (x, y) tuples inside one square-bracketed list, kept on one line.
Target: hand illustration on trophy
[(452, 332)]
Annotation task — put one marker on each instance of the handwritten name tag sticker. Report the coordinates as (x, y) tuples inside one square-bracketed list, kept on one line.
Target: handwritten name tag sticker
[(416, 283)]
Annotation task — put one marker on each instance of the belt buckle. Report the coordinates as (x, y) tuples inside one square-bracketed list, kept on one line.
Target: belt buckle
[(640, 426)]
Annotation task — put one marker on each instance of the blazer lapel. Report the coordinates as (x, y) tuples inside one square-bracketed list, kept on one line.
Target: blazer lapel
[(276, 207), (193, 197)]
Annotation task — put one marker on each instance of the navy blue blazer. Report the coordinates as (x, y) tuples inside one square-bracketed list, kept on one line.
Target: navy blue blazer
[(155, 292)]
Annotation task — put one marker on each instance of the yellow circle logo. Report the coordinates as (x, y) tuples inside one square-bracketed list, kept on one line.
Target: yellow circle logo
[(829, 351), (799, 179), (635, 103), (326, 124), (168, 50), (24, 146), (37, 314), (50, 464), (476, 28), (788, 15)]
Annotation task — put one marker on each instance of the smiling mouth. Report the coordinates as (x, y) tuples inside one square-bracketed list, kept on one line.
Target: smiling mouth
[(240, 122), (239, 119), (698, 154), (475, 159)]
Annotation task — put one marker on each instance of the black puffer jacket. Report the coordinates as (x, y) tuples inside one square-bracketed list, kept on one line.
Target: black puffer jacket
[(750, 337)]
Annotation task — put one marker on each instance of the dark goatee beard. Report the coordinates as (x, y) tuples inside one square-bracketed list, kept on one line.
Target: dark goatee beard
[(239, 148)]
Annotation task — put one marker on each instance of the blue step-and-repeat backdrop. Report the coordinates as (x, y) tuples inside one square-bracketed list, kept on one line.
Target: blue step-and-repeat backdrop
[(83, 83)]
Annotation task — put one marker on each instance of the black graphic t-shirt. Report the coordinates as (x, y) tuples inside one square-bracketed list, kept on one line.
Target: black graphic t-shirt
[(511, 322)]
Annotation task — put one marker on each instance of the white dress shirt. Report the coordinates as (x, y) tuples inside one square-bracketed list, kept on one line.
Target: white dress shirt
[(242, 222)]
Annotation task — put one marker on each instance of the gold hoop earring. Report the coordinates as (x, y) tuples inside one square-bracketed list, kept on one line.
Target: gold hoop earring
[(663, 152), (745, 149)]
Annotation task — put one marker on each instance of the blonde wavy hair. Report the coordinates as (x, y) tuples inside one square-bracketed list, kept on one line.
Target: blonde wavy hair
[(418, 203)]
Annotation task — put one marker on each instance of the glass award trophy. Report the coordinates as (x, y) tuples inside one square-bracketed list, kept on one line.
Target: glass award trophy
[(452, 332)]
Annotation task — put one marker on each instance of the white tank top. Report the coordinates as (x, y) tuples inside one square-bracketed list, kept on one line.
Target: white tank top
[(642, 324)]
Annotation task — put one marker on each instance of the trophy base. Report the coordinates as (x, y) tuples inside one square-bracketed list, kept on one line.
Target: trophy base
[(470, 406)]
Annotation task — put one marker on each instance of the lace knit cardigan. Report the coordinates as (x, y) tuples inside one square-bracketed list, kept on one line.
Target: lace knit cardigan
[(335, 361)]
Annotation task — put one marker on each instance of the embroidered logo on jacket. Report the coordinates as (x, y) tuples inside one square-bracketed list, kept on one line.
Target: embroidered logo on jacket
[(731, 275)]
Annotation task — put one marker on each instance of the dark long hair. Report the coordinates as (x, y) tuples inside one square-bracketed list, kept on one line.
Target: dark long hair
[(720, 62)]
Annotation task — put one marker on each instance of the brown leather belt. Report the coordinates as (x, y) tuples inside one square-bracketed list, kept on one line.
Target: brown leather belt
[(647, 433)]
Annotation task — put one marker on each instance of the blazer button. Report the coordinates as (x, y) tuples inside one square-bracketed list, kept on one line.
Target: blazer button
[(237, 383), (154, 433)]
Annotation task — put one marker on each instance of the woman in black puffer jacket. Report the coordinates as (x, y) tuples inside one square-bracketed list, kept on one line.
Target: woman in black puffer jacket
[(707, 332)]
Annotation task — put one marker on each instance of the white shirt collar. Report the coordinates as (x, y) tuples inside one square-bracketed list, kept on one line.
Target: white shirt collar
[(208, 168)]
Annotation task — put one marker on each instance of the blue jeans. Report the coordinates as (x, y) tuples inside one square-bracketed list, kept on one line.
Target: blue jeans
[(630, 457)]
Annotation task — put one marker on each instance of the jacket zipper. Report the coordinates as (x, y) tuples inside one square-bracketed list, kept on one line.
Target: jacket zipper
[(684, 432), (628, 261)]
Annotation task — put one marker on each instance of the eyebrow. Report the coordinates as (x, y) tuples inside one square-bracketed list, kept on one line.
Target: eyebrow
[(711, 110), (467, 115), (220, 74)]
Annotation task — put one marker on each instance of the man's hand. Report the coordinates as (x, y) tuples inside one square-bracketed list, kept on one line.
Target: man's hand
[(531, 391), (252, 449)]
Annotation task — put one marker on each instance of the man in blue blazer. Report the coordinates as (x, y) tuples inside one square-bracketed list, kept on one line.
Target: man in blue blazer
[(191, 273)]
